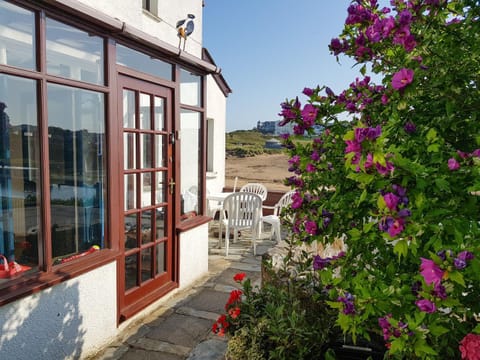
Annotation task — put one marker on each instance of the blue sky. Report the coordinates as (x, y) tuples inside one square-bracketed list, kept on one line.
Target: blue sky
[(269, 50)]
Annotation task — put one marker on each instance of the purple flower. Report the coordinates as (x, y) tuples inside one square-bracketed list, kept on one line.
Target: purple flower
[(459, 264), (297, 201), (347, 300), (384, 170), (453, 164), (396, 227), (391, 200), (440, 291), (315, 156), (431, 272), (426, 305), (369, 161), (309, 114), (410, 127), (311, 227), (308, 91), (310, 168), (402, 78), (465, 255), (404, 213), (352, 146), (319, 263)]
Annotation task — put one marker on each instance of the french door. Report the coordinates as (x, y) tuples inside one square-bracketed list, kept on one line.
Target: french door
[(147, 264)]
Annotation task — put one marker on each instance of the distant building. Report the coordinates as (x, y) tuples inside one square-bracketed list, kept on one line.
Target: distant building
[(267, 127)]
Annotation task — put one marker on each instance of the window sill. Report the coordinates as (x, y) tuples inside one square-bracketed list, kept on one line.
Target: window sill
[(152, 15), (29, 284), (211, 175), (192, 223)]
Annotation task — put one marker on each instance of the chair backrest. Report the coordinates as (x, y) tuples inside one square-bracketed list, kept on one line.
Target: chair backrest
[(284, 201), (255, 188), (243, 209)]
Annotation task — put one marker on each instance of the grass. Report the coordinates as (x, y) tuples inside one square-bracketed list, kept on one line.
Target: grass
[(244, 143)]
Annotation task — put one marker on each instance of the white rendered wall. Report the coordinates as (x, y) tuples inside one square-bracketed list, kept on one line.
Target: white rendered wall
[(163, 27), (66, 321), (217, 110), (193, 255)]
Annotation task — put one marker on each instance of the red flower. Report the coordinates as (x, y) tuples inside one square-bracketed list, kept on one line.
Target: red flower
[(470, 347), (234, 313), (239, 277), (235, 297)]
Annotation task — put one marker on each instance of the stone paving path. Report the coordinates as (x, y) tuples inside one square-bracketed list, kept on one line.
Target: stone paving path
[(181, 328)]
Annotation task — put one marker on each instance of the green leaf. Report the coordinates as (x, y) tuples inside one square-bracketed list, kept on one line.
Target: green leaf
[(421, 347), (362, 197), (437, 330), (431, 135), (401, 248), (476, 329), (442, 184), (433, 148), (457, 277)]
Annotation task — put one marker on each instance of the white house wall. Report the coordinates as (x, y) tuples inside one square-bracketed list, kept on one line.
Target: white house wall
[(66, 321), (163, 27), (216, 110)]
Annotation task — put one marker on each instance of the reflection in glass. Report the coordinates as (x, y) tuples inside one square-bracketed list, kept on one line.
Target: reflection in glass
[(129, 109), (19, 171), (160, 253), (76, 129), (146, 183), (145, 119), (144, 63), (159, 123), (146, 142), (160, 191), (73, 53), (147, 263), (147, 235), (129, 157), (190, 158), (17, 36), (160, 223), (131, 268), (159, 151), (190, 88), (130, 231), (130, 183)]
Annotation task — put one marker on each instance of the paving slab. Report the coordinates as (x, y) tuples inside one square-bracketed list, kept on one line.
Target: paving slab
[(182, 330), (208, 300)]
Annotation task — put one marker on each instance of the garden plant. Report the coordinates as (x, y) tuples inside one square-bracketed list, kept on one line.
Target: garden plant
[(395, 173)]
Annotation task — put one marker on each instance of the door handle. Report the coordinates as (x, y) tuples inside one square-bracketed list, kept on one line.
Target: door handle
[(171, 184)]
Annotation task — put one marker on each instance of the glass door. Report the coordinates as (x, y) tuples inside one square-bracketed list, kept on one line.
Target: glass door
[(148, 187)]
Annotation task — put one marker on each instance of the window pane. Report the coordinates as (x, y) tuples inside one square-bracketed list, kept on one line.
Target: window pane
[(73, 53), (159, 114), (144, 63), (19, 171), (160, 223), (147, 263), (146, 183), (76, 128), (190, 88), (129, 109), (161, 263), (190, 159), (145, 120), (161, 190), (159, 150), (130, 196), (17, 34), (130, 151), (147, 218), (146, 143), (130, 271), (130, 231)]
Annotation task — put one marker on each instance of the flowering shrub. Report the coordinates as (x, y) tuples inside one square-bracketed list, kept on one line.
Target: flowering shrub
[(277, 321), (394, 171)]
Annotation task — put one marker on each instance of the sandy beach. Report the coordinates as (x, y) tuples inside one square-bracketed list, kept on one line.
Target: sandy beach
[(268, 169)]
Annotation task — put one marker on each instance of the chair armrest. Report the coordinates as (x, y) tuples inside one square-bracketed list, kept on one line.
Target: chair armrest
[(268, 207)]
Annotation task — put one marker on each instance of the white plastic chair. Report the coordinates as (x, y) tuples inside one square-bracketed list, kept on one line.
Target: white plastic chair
[(275, 219), (241, 210), (255, 188)]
